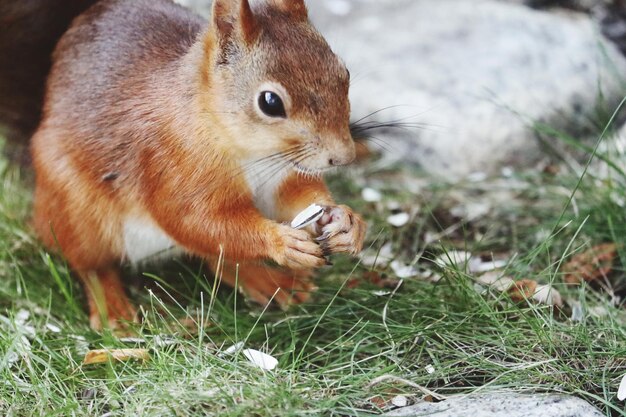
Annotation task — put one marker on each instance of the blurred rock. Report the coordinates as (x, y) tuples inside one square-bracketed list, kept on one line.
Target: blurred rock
[(502, 404), (476, 74)]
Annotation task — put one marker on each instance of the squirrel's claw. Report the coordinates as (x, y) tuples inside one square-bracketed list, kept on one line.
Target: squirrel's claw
[(343, 231)]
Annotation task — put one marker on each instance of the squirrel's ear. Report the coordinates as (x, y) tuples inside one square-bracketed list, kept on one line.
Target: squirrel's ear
[(234, 19), (295, 8)]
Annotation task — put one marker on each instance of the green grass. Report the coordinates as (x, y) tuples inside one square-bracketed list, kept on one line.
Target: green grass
[(332, 350)]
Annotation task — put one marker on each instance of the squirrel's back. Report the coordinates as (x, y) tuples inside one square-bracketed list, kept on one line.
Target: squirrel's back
[(116, 44)]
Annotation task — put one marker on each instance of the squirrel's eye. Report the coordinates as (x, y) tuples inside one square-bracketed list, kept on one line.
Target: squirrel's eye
[(271, 104)]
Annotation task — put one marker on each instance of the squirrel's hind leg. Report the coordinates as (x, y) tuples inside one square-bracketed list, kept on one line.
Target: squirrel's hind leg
[(263, 284), (107, 300)]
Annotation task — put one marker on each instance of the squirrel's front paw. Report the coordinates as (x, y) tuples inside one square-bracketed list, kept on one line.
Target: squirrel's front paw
[(297, 250), (343, 231)]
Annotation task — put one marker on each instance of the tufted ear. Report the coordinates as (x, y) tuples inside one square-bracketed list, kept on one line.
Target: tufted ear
[(233, 21), (295, 8)]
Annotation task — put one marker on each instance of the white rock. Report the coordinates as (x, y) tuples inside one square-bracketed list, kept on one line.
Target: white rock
[(260, 359), (498, 404), (475, 72), (398, 220)]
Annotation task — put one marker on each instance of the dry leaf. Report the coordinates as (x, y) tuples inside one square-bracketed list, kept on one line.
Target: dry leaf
[(104, 355), (379, 402), (522, 290), (590, 265), (528, 289)]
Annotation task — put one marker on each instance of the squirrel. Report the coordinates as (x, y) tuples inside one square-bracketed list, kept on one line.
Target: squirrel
[(161, 130)]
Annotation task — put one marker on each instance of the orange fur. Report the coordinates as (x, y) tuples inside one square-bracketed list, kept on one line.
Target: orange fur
[(147, 138)]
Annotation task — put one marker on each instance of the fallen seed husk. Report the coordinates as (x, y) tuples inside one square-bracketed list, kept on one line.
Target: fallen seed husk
[(307, 216)]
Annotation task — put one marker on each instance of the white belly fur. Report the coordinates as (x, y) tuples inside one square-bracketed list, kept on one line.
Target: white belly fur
[(145, 241), (264, 181)]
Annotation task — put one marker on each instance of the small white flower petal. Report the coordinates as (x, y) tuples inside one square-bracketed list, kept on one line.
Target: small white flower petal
[(398, 220), (621, 391), (260, 359), (371, 195)]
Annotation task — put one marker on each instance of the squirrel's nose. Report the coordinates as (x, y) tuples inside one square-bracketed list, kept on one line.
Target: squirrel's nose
[(344, 157)]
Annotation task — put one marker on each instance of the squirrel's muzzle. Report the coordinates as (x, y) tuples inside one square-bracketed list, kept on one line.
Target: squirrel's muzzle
[(343, 154)]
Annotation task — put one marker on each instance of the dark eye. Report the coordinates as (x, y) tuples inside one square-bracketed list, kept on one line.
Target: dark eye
[(271, 104)]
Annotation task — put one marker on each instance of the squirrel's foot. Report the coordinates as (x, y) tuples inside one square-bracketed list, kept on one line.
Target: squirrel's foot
[(263, 284), (109, 307), (342, 231)]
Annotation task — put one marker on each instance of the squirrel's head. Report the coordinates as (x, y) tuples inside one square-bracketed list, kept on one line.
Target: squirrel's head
[(276, 86)]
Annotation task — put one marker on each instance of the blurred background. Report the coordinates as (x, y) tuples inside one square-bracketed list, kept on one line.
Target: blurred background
[(468, 81)]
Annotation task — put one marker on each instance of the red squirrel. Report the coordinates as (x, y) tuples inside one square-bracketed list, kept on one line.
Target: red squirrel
[(161, 130)]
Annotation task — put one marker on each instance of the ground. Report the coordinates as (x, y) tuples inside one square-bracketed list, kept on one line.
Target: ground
[(368, 339)]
